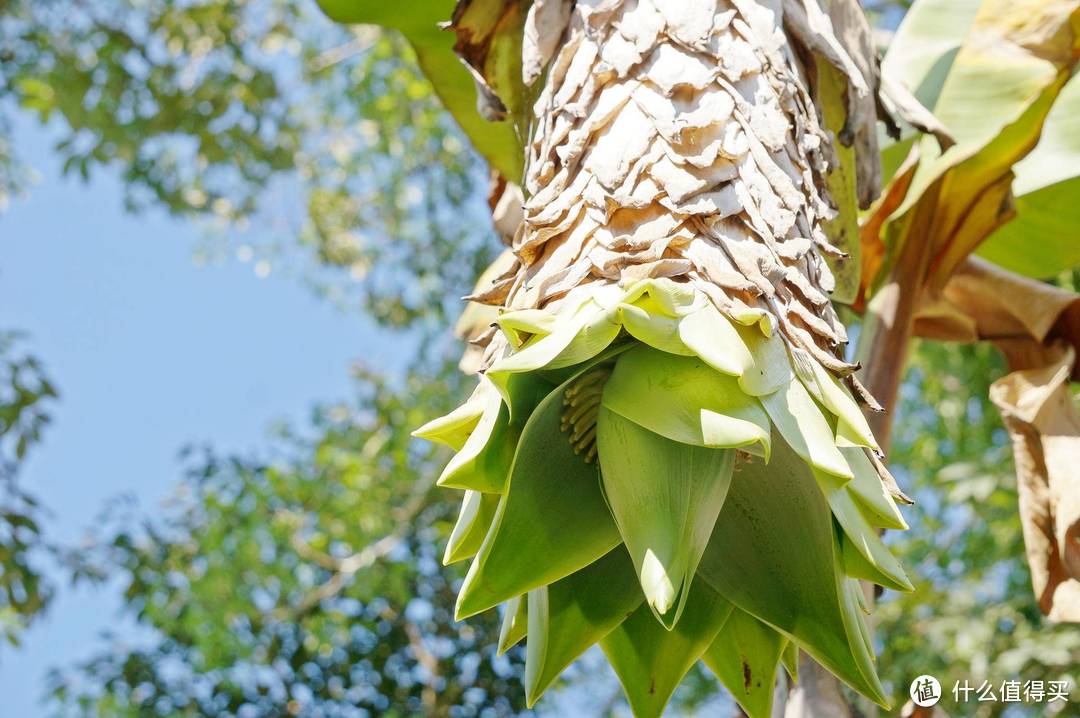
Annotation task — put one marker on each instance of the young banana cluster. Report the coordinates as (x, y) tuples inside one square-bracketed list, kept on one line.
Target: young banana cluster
[(663, 454)]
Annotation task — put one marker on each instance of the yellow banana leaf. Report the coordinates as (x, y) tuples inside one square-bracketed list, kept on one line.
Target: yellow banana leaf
[(995, 94), (1044, 237)]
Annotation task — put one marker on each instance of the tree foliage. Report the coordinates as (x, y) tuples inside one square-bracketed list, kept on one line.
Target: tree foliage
[(301, 582), (294, 139), (26, 398)]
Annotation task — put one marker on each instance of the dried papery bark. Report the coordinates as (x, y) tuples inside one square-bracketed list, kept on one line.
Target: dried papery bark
[(475, 325), (1037, 328), (683, 141)]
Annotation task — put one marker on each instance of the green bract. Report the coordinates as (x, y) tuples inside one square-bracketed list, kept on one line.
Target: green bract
[(644, 473)]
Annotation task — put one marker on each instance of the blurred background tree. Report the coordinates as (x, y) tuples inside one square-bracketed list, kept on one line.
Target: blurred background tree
[(256, 120), (296, 141), (304, 582), (26, 396), (305, 579)]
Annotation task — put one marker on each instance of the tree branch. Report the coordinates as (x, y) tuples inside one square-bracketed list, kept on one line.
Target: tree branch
[(345, 569)]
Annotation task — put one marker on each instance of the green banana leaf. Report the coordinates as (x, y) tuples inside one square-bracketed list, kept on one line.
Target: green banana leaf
[(418, 21), (1042, 239), (515, 623), (474, 519), (570, 615), (650, 661), (551, 521), (773, 554), (745, 656), (665, 497), (685, 400), (790, 660)]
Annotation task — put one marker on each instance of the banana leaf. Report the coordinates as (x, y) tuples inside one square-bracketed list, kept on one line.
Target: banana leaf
[(551, 521), (1044, 237), (419, 21), (774, 555), (997, 86), (665, 497), (650, 661)]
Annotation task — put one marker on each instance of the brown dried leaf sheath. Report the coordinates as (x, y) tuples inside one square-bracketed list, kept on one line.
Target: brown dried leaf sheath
[(1037, 328), (681, 140)]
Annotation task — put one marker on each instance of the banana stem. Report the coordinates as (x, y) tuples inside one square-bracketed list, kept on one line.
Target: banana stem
[(886, 333)]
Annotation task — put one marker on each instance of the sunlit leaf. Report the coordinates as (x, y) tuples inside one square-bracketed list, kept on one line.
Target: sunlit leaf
[(1041, 240), (665, 497), (570, 615), (925, 45), (650, 661), (773, 555), (745, 656)]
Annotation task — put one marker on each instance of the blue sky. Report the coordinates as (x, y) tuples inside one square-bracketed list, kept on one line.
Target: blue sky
[(150, 352)]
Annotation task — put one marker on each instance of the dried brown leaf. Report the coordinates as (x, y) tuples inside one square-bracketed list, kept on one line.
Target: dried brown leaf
[(1037, 328)]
